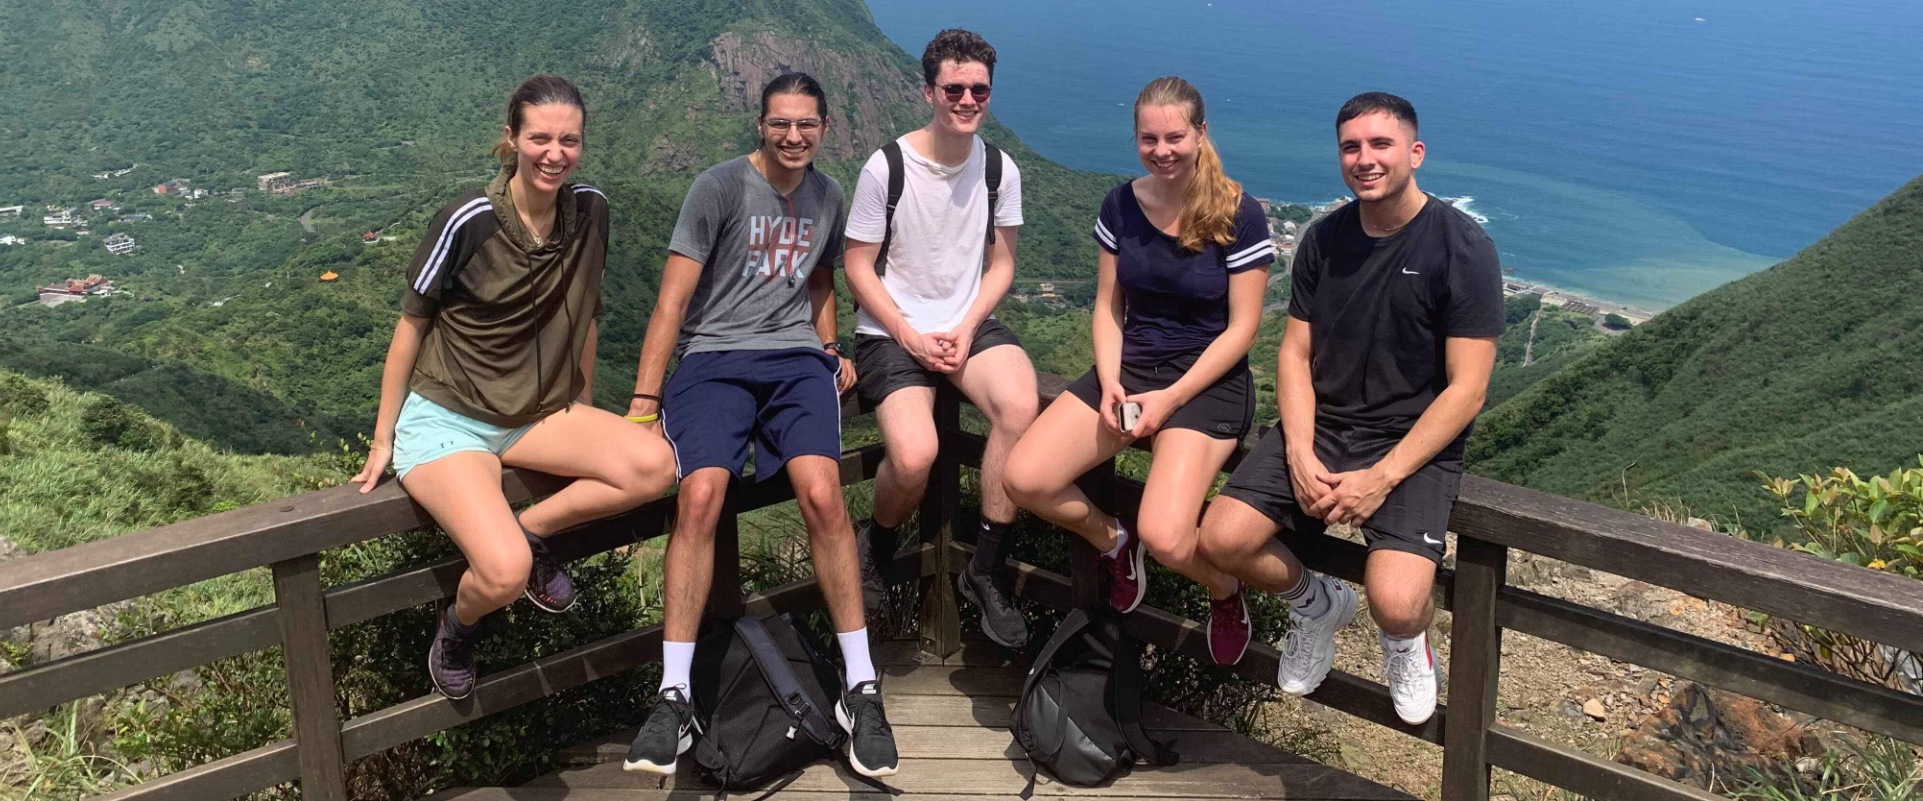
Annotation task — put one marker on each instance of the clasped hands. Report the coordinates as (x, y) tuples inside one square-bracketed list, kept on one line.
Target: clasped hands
[(1349, 498), (942, 352)]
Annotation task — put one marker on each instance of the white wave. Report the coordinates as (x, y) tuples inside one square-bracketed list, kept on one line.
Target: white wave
[(1466, 205)]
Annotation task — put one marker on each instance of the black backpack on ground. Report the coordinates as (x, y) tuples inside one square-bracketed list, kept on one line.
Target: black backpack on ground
[(768, 693), (897, 183), (1080, 714)]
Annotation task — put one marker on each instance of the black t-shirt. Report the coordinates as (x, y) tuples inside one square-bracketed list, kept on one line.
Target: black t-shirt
[(1380, 309)]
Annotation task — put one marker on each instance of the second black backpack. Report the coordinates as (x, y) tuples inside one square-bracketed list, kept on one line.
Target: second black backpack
[(768, 693), (1080, 714)]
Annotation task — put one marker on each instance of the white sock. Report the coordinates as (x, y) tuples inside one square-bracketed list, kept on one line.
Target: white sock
[(1310, 596), (1121, 539), (677, 661), (1402, 645), (854, 654)]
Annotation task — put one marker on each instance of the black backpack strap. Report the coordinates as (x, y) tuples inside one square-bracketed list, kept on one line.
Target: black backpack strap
[(891, 152), (1072, 624), (809, 719), (1126, 701), (992, 172)]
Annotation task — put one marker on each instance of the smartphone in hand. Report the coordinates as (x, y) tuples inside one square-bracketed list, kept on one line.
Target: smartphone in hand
[(1131, 414)]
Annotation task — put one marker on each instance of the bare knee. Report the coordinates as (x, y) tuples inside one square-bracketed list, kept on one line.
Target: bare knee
[(1400, 611), (500, 578), (648, 474), (1014, 415), (912, 461), (1222, 545), (698, 506), (822, 508), (1027, 484), (1169, 542)]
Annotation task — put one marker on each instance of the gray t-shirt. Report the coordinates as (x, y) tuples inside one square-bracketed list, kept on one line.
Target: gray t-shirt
[(757, 249)]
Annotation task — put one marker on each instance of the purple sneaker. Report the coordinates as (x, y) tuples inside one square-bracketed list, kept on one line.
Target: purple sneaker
[(548, 586), (1127, 581), (450, 660), (1229, 628)]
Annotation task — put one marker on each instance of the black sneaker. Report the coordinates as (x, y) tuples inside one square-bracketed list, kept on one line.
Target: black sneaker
[(669, 730), (874, 588), (1000, 620), (450, 660), (871, 741), (548, 586)]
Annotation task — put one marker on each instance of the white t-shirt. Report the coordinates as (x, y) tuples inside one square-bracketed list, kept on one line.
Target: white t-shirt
[(935, 259)]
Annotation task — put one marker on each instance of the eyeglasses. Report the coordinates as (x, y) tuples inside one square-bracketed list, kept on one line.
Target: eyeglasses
[(807, 126), (954, 91)]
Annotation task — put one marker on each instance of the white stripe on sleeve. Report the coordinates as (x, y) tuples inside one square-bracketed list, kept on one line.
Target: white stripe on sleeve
[(1251, 255), (1101, 233), (474, 208)]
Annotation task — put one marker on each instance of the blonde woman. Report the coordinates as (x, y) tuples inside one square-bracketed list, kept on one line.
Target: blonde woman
[(1183, 256)]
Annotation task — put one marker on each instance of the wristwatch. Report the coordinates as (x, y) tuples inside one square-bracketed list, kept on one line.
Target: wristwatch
[(835, 348)]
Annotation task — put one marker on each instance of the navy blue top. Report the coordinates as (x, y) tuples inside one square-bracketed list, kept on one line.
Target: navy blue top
[(1176, 300)]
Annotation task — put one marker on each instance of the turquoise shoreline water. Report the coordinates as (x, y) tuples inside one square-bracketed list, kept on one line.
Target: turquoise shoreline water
[(1641, 151)]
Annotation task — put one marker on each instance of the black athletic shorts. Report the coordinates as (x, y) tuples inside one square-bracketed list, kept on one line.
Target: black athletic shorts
[(1225, 410), (1414, 518), (881, 366)]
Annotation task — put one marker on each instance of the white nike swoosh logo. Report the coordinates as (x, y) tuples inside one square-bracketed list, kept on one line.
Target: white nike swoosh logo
[(1407, 271), (1431, 540)]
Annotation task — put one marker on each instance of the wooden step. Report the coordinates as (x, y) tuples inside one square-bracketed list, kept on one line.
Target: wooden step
[(976, 742), (1297, 781)]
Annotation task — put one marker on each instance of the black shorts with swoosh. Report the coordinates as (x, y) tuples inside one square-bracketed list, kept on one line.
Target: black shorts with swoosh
[(1414, 518)]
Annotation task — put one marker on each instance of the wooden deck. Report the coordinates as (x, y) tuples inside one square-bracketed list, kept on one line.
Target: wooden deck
[(951, 724)]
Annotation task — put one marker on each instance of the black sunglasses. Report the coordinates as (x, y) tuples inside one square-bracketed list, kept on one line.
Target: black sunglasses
[(954, 91)]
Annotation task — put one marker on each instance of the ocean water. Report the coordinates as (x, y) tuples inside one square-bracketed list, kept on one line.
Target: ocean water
[(1639, 151)]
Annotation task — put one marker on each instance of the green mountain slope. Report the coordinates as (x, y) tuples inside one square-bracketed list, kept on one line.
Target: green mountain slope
[(398, 105), (1810, 364)]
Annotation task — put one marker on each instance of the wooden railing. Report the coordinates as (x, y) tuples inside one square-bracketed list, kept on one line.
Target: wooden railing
[(1490, 519)]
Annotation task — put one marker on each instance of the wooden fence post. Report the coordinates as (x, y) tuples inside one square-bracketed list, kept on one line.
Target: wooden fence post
[(940, 618), (310, 678), (1475, 668)]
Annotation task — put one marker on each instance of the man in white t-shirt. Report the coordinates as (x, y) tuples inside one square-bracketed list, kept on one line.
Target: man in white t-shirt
[(927, 307)]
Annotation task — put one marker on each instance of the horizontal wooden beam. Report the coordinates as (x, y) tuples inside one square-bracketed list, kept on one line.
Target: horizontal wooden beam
[(54, 683), (1876, 606), (221, 779), (1804, 688), (1586, 775)]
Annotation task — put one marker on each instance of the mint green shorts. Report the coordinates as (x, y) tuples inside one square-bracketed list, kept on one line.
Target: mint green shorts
[(427, 431)]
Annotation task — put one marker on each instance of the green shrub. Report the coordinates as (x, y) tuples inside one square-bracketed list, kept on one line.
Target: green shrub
[(1881, 770), (19, 398), (1875, 523)]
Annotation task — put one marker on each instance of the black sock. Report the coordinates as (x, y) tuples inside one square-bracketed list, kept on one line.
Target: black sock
[(989, 547), (455, 625)]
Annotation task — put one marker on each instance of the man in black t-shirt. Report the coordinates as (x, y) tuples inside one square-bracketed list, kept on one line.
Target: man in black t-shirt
[(1385, 362)]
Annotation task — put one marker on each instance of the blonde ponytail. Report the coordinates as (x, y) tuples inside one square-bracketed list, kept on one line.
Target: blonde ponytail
[(1208, 210)]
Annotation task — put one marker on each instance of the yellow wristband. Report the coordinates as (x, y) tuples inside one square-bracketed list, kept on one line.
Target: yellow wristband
[(646, 418)]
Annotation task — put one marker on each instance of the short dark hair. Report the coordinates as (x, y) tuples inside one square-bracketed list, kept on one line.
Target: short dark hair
[(1372, 102), (958, 46), (795, 83)]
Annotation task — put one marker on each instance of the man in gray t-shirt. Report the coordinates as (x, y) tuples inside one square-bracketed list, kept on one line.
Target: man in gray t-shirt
[(748, 303), (759, 250)]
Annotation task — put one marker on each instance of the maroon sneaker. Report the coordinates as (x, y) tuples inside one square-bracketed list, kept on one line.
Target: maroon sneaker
[(1127, 581), (1228, 628)]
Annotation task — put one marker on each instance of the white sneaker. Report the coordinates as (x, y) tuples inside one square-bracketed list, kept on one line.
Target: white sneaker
[(1413, 676), (1308, 650)]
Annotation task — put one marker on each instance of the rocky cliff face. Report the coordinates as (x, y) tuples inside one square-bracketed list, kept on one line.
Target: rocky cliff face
[(871, 98)]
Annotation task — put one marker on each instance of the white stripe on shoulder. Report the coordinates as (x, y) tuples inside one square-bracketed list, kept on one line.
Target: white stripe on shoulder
[(474, 208), (1101, 232), (1252, 255), (578, 188), (1251, 249)]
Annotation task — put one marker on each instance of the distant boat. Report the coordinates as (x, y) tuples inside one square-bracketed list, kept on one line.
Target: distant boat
[(1700, 19)]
